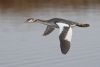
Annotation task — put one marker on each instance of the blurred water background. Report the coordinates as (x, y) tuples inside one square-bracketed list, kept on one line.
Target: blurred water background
[(22, 44)]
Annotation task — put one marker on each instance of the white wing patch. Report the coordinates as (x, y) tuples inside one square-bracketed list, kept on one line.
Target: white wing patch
[(69, 33), (61, 25)]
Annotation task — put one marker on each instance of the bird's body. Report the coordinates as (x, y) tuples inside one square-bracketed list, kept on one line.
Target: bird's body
[(52, 22), (56, 20), (65, 27)]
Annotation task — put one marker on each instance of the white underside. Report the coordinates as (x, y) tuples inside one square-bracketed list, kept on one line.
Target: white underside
[(69, 33)]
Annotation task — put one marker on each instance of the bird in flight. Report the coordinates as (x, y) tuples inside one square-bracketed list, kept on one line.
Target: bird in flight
[(65, 27)]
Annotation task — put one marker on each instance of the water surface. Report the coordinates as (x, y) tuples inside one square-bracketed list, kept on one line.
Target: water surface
[(22, 45)]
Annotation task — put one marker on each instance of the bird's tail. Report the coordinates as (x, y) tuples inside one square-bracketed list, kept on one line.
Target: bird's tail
[(82, 25)]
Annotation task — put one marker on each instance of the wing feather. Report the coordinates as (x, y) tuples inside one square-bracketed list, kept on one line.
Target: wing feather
[(65, 37), (48, 30)]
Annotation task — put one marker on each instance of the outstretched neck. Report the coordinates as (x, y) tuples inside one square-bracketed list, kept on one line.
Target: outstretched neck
[(39, 20), (45, 22)]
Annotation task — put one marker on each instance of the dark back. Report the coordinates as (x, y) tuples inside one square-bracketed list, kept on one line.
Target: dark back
[(56, 20)]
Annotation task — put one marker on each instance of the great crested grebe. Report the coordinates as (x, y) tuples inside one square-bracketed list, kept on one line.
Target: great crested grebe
[(65, 27)]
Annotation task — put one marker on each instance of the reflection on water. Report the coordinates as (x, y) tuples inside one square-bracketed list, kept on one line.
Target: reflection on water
[(22, 45)]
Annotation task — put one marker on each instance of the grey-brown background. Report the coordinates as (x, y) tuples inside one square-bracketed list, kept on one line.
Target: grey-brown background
[(24, 5)]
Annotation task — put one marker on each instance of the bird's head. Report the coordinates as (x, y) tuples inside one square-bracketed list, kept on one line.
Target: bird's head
[(31, 20)]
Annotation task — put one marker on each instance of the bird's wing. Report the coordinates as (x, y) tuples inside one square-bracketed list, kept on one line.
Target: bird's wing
[(65, 37), (48, 30)]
